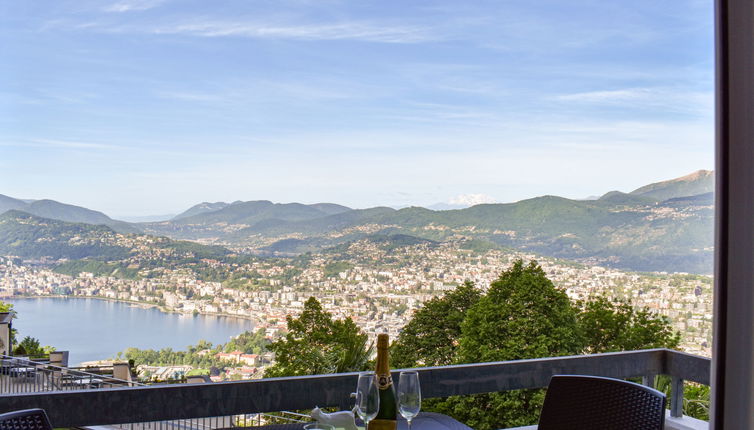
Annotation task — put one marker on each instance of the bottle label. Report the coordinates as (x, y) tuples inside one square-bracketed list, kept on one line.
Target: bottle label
[(378, 424), (384, 381)]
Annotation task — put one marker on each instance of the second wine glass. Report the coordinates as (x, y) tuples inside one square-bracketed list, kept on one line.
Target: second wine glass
[(409, 396), (367, 398)]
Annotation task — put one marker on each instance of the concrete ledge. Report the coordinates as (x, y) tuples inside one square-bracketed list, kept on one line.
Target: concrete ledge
[(684, 423)]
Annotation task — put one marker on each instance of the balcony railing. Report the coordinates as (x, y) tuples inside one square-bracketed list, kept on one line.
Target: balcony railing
[(184, 401), (22, 375)]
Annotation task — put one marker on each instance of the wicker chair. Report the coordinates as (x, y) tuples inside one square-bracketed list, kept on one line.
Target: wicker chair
[(27, 419), (592, 403)]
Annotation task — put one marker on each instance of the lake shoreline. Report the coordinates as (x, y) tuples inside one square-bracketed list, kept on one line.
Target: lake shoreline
[(97, 328), (141, 305)]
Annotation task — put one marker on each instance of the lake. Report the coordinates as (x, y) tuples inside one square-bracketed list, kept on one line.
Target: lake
[(93, 329)]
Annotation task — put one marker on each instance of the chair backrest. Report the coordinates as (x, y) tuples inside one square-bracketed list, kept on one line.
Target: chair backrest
[(27, 419), (593, 403)]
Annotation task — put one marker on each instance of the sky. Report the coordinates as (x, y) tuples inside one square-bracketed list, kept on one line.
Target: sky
[(144, 107)]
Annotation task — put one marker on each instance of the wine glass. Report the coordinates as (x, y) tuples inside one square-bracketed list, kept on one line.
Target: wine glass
[(318, 426), (409, 395), (367, 397)]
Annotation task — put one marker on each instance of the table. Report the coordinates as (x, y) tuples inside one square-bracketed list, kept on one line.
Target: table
[(424, 421)]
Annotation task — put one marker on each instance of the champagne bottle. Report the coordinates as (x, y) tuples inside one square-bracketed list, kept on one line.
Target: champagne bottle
[(386, 416)]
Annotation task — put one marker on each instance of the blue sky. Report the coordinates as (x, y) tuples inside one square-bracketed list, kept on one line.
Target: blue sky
[(150, 106)]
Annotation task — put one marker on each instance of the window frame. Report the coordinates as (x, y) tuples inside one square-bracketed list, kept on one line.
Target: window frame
[(733, 320)]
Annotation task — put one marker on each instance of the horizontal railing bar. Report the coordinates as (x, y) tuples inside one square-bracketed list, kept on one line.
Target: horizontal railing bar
[(170, 402), (536, 373)]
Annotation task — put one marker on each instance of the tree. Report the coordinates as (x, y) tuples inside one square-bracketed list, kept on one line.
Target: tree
[(29, 346), (200, 346), (609, 327), (431, 337), (249, 342), (523, 315), (316, 344), (8, 307)]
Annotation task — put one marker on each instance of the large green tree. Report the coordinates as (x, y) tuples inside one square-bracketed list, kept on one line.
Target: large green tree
[(523, 315), (317, 344), (431, 337)]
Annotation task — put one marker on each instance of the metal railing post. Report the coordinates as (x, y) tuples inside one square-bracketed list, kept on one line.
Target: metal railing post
[(676, 397), (649, 380)]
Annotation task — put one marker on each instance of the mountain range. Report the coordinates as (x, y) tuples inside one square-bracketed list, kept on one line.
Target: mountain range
[(64, 212), (665, 226), (77, 247)]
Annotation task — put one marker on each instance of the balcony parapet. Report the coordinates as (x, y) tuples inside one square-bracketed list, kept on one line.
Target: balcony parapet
[(183, 401)]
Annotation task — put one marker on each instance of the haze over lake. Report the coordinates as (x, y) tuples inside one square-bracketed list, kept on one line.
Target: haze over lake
[(94, 329)]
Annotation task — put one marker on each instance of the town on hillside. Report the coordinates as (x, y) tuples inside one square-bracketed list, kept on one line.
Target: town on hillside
[(378, 287)]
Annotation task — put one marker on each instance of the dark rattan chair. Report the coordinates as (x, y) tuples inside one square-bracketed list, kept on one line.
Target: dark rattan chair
[(28, 419), (592, 403)]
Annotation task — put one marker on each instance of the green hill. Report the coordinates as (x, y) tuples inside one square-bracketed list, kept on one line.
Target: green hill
[(620, 230), (255, 211), (9, 203), (201, 208), (94, 246), (64, 212), (699, 182), (317, 226), (29, 236), (619, 198), (330, 208), (666, 226)]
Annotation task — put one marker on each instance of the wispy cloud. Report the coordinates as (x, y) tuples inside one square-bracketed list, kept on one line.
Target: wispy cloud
[(192, 96), (261, 91), (466, 117), (670, 99), (133, 5), (72, 144), (362, 31), (611, 96)]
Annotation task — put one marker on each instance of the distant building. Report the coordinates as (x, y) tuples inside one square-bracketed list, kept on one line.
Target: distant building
[(234, 356), (6, 319), (249, 359)]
